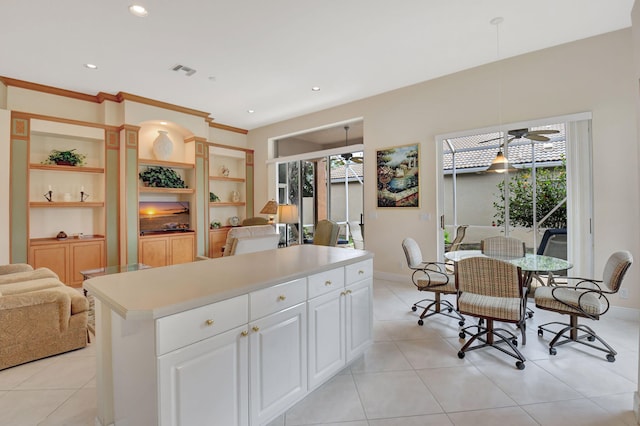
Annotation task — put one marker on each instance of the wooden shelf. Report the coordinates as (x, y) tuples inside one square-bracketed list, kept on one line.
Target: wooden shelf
[(225, 203), (227, 179), (77, 169), (87, 238), (154, 190), (171, 164), (66, 204)]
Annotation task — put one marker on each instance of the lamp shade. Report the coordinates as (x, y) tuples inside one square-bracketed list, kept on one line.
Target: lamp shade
[(501, 164), (270, 208), (288, 213)]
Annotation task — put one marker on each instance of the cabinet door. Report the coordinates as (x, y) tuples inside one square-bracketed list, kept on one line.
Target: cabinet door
[(327, 354), (217, 240), (85, 256), (181, 249), (359, 312), (206, 383), (154, 251), (278, 363), (52, 256)]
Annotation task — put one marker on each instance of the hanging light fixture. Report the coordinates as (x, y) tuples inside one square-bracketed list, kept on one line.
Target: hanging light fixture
[(501, 163)]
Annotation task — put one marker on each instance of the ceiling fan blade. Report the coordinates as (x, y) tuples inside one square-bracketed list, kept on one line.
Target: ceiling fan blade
[(543, 132), (539, 138), (491, 140)]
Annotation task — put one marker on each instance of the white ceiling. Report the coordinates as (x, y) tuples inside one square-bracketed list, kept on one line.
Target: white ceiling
[(265, 55)]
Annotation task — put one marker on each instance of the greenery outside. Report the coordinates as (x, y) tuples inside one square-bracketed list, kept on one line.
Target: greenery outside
[(551, 190)]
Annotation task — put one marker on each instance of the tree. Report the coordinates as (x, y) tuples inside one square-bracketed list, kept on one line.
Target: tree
[(551, 191)]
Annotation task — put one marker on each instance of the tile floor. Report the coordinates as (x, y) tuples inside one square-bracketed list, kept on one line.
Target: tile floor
[(411, 376)]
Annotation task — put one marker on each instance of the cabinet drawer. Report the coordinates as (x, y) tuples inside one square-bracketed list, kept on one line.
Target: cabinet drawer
[(178, 330), (324, 282), (359, 271), (277, 298)]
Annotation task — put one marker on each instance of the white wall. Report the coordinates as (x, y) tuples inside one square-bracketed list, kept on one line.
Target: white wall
[(5, 120), (593, 75)]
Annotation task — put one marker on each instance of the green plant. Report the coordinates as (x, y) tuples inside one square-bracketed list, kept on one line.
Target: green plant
[(213, 197), (551, 184), (66, 158), (162, 177)]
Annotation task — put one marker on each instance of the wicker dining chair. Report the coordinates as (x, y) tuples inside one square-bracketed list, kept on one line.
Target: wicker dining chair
[(430, 276), (586, 299), (491, 290)]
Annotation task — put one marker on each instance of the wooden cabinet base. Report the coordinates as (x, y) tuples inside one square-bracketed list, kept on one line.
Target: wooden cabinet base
[(164, 250), (68, 257)]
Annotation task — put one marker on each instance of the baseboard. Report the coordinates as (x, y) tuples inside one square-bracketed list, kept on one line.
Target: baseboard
[(627, 314)]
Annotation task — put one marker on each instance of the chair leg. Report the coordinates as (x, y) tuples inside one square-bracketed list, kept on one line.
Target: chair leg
[(573, 329), (504, 337), (437, 306)]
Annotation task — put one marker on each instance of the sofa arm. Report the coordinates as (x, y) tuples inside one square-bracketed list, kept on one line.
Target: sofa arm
[(52, 302), (15, 267)]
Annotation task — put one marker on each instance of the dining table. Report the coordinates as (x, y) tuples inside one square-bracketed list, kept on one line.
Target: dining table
[(532, 265)]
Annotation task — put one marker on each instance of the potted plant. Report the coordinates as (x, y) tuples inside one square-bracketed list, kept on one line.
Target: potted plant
[(161, 177), (65, 158)]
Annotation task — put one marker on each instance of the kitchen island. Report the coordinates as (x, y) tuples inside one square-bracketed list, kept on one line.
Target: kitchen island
[(229, 341)]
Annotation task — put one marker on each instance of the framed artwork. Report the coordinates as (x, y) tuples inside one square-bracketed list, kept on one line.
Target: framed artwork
[(398, 173)]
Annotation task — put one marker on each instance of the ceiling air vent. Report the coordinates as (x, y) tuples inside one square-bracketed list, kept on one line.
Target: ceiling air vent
[(188, 71)]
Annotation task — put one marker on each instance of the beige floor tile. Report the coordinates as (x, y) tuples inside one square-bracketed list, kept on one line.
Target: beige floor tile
[(79, 410), (464, 388), (393, 394), (529, 386), (620, 404), (430, 420), (588, 376), (335, 401), (511, 416), (30, 407), (381, 356), (10, 378), (64, 373), (429, 353), (577, 412), (409, 330)]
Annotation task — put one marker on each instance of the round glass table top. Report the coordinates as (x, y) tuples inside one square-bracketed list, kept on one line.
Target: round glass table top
[(530, 262)]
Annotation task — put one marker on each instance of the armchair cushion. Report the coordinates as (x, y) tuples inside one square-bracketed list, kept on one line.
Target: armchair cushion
[(29, 275), (245, 232), (15, 267), (552, 298)]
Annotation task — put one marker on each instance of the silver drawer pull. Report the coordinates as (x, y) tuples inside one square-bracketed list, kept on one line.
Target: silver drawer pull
[(327, 283), (209, 322)]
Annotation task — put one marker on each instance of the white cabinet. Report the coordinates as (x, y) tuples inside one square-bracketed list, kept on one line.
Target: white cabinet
[(327, 353), (340, 321), (206, 383)]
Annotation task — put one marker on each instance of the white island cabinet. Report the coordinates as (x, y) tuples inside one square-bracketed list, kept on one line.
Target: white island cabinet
[(229, 341)]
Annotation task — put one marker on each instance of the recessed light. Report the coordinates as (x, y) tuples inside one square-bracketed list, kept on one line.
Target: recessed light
[(315, 88), (164, 123), (250, 111), (212, 78), (91, 66), (138, 10)]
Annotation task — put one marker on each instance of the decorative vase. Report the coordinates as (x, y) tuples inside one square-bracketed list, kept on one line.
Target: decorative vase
[(235, 196), (162, 146)]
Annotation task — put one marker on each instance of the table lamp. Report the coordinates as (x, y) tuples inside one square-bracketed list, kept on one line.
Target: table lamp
[(288, 214), (270, 208)]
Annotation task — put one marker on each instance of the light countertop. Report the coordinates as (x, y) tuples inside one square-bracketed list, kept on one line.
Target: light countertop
[(157, 292)]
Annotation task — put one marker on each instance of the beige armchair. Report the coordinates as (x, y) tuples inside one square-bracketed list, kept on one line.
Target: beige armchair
[(248, 239), (39, 316)]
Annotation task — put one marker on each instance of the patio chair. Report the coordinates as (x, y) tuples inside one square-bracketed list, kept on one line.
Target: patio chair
[(430, 276), (586, 299)]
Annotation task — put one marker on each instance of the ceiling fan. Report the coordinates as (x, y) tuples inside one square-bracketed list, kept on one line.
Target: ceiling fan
[(349, 156), (534, 135)]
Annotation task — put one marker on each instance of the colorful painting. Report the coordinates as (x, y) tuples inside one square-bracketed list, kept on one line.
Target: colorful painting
[(398, 174)]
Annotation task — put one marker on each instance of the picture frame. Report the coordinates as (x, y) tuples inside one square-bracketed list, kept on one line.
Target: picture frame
[(398, 172)]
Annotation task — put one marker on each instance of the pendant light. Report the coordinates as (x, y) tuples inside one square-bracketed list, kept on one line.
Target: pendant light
[(501, 163)]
